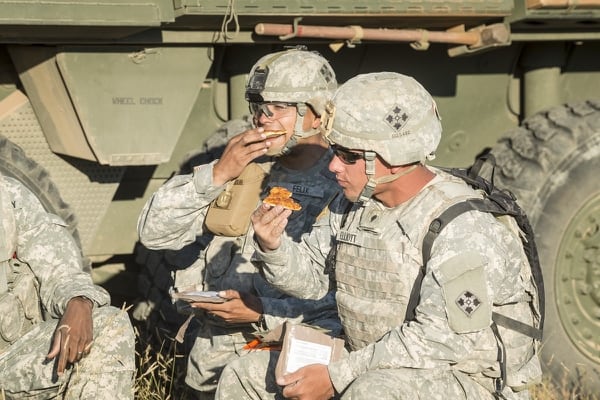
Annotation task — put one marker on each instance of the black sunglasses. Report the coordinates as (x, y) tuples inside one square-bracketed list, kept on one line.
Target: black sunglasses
[(346, 155)]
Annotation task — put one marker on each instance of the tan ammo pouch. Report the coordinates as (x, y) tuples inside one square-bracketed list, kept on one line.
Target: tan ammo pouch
[(229, 214), (20, 306)]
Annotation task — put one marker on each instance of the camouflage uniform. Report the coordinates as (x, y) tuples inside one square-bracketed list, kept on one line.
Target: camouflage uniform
[(177, 211), (174, 217), (477, 266), (41, 270)]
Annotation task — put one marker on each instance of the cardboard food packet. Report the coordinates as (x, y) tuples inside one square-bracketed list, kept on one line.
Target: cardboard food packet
[(303, 345)]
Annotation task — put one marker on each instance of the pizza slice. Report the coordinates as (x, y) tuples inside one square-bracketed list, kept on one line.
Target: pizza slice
[(275, 133), (279, 196)]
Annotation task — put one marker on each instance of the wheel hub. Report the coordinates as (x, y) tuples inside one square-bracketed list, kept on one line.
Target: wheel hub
[(578, 279)]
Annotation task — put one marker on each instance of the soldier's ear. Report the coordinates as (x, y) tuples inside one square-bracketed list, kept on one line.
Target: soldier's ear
[(316, 122)]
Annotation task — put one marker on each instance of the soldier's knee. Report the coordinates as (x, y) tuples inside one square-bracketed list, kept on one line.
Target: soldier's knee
[(114, 338)]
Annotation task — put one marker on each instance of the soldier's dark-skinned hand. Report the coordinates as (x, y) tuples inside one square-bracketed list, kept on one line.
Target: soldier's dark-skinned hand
[(240, 308), (239, 152), (73, 336), (311, 382)]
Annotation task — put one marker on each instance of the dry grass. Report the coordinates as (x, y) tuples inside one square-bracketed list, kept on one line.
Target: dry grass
[(564, 390), (161, 373), (160, 369)]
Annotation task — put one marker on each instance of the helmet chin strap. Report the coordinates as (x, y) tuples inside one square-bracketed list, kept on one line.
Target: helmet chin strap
[(369, 188), (299, 133)]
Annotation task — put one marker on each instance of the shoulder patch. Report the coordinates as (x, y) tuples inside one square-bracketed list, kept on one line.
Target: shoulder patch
[(468, 302), (462, 279)]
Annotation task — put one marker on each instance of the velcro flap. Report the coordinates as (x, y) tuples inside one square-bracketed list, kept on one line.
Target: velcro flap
[(462, 278)]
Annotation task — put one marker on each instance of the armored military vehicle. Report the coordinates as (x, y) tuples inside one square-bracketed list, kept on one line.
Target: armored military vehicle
[(102, 101)]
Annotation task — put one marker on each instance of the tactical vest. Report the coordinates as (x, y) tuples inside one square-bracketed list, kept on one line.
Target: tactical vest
[(19, 297), (376, 266)]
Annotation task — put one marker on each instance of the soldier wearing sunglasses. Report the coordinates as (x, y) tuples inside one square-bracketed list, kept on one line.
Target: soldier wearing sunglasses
[(383, 129)]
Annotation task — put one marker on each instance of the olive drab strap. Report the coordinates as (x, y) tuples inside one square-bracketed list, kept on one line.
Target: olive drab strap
[(500, 382)]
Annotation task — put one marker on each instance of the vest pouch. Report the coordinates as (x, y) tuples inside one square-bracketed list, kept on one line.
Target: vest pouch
[(26, 290), (20, 306), (229, 214), (12, 321), (462, 278)]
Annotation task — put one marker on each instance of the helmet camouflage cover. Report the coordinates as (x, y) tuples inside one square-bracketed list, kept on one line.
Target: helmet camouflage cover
[(292, 76), (388, 113)]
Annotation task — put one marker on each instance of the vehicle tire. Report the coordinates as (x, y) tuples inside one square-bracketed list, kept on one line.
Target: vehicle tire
[(14, 163), (551, 163)]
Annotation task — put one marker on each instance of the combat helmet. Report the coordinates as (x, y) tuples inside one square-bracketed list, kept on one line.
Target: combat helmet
[(294, 76), (386, 114)]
